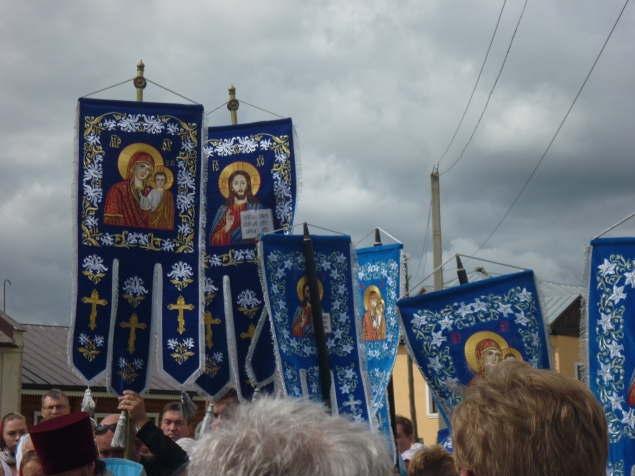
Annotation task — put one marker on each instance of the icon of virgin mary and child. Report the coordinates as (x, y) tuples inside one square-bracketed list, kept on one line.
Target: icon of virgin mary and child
[(484, 350), (374, 319), (142, 199)]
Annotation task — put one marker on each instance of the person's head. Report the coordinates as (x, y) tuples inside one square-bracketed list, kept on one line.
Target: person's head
[(172, 422), (240, 187), (290, 436), (223, 406), (13, 428), (25, 446), (65, 445), (529, 422), (488, 354), (405, 436), (55, 402), (160, 178), (30, 465), (140, 167), (104, 433), (434, 461)]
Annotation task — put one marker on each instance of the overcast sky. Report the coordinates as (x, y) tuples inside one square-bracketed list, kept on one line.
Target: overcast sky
[(375, 88)]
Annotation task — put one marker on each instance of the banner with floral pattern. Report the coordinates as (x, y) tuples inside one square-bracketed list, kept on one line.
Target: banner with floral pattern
[(379, 279), (252, 189), (288, 302), (233, 316), (453, 335), (137, 223), (611, 343)]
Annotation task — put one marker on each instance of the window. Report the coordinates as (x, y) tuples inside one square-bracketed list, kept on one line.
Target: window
[(580, 371), (431, 405)]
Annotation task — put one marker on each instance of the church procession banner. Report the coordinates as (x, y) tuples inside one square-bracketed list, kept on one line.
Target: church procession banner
[(379, 278), (454, 334), (252, 189), (289, 304), (137, 222), (611, 343)]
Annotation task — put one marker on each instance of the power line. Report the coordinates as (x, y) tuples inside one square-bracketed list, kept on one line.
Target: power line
[(425, 244), (557, 131), (491, 92), (476, 84)]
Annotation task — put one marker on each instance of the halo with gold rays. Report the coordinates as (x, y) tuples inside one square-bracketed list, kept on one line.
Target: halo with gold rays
[(301, 285), (369, 290), (223, 179), (169, 180), (129, 151), (511, 351), (472, 342)]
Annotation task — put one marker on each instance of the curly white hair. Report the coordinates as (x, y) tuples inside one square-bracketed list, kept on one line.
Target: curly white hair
[(285, 436)]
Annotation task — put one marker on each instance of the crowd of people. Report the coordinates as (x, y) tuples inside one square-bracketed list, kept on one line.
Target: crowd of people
[(519, 421)]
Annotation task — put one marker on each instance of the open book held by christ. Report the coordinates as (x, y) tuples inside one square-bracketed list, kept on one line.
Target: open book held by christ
[(253, 223)]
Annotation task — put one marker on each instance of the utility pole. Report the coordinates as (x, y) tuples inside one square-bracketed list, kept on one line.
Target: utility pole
[(437, 249), (4, 302)]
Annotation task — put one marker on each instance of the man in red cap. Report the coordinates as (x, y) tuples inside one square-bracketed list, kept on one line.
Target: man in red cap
[(65, 446)]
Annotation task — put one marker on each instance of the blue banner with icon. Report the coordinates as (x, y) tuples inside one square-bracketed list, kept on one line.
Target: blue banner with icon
[(611, 343), (455, 334), (252, 189), (289, 305), (137, 190), (379, 279)]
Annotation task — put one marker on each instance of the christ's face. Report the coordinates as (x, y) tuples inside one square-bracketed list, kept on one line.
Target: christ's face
[(491, 357), (159, 180), (239, 186), (142, 170), (307, 293)]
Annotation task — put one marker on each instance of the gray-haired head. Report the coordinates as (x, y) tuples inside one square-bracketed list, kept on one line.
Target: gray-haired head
[(290, 437)]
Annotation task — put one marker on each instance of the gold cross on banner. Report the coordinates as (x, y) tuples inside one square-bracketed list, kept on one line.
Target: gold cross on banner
[(181, 306), (208, 328), (133, 325), (94, 300)]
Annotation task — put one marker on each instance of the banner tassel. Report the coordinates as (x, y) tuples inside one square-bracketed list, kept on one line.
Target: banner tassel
[(206, 425), (119, 438), (188, 407), (88, 403)]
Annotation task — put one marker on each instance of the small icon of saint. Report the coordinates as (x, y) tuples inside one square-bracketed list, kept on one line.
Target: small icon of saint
[(374, 319), (302, 325)]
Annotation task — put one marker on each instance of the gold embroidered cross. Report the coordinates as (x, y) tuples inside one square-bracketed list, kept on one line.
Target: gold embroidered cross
[(133, 325), (208, 328), (94, 301), (181, 306)]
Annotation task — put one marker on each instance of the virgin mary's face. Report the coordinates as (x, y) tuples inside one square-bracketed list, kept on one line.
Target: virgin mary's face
[(491, 357), (142, 170)]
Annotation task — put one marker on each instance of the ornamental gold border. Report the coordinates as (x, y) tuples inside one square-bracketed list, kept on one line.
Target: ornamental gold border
[(91, 235), (281, 168)]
